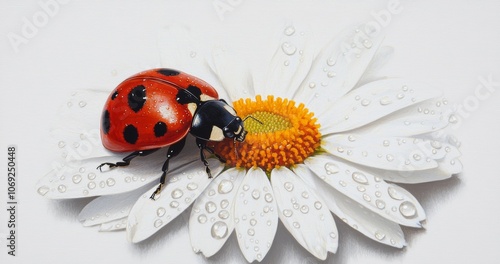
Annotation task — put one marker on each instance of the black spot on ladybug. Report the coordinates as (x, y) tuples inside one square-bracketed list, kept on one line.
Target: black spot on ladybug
[(115, 94), (160, 129), (137, 98), (189, 95), (130, 134), (168, 72), (105, 122)]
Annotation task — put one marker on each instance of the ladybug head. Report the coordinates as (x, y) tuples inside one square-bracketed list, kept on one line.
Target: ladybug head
[(235, 129)]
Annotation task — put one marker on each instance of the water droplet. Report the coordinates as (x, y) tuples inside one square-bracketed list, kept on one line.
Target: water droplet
[(202, 219), (367, 197), (351, 138), (359, 177), (43, 190), (91, 176), (453, 119), (246, 187), (61, 144), (331, 168), (256, 194), (110, 182), (385, 101), (288, 48), (91, 185), (389, 158), (224, 204), (361, 188), (400, 96), (192, 54), (386, 143), (333, 235), (192, 186), (61, 188), (225, 186), (77, 178), (251, 232), (160, 212), (177, 193), (253, 222), (365, 102), (367, 43), (408, 209), (219, 230), (331, 74), (305, 195), (82, 103), (287, 213), (69, 104), (312, 85), (380, 204), (289, 186), (174, 204), (417, 157), (331, 61), (394, 194), (158, 223), (379, 236), (268, 197), (343, 183), (436, 144), (318, 205), (296, 224), (290, 30), (210, 207), (304, 209), (224, 214)]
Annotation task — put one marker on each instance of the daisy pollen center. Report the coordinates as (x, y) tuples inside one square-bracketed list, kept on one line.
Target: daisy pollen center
[(280, 133)]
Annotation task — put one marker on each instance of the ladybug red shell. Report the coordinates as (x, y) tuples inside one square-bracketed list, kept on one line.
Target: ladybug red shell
[(158, 108), (143, 112)]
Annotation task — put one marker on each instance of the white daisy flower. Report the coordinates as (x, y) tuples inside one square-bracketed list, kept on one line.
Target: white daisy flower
[(329, 142)]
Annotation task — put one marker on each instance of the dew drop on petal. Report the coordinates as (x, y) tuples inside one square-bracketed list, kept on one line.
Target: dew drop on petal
[(365, 102), (408, 209), (268, 197), (417, 157), (158, 223), (202, 219), (288, 186), (331, 168), (290, 30), (380, 204), (395, 194), (82, 103), (246, 187), (91, 185), (367, 197), (160, 212), (210, 207), (224, 214), (43, 190), (305, 195), (287, 212), (318, 205), (225, 186), (61, 188), (288, 48), (304, 209), (192, 186), (359, 177), (296, 224), (251, 232), (389, 157), (379, 235), (256, 194), (91, 176), (174, 204), (61, 144), (453, 119), (436, 144), (177, 193), (77, 178), (312, 85), (110, 182), (385, 101), (219, 230)]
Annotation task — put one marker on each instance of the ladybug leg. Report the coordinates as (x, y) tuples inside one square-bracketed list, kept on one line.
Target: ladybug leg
[(173, 151), (127, 159), (202, 145)]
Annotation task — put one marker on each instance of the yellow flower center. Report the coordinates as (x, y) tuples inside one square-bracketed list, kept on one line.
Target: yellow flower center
[(284, 135)]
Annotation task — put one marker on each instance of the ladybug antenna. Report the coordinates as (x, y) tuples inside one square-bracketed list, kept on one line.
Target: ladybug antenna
[(247, 117)]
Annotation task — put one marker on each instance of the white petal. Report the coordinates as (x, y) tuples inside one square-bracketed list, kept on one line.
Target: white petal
[(303, 213), (371, 102), (256, 215), (390, 153), (289, 65), (181, 189), (115, 225), (81, 178), (425, 117), (110, 208), (447, 166), (212, 218), (387, 200), (358, 217), (233, 75), (337, 69)]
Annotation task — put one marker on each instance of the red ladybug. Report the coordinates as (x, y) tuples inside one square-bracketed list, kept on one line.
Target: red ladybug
[(158, 108)]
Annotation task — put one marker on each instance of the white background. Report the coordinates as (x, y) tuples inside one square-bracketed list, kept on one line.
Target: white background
[(88, 44)]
